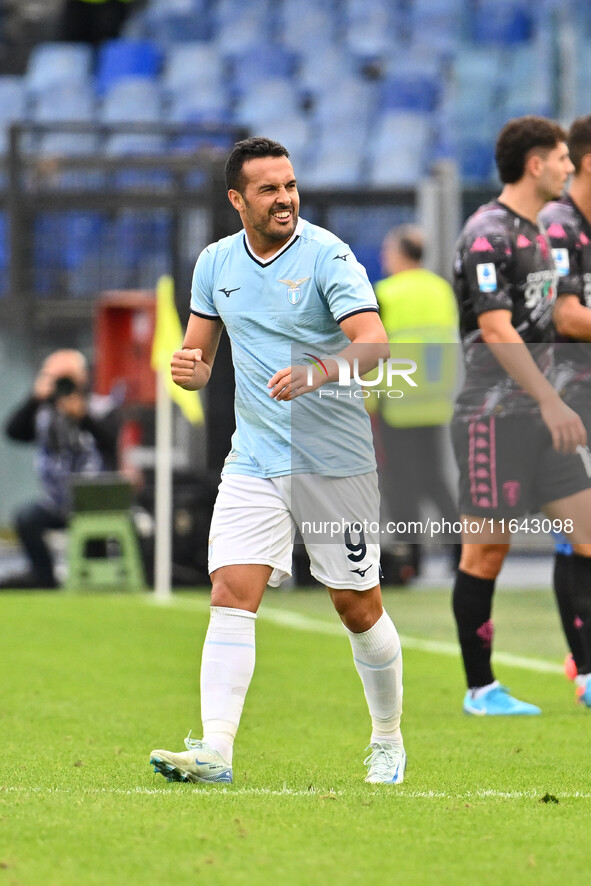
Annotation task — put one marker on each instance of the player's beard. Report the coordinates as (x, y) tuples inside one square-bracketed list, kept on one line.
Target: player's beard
[(264, 226)]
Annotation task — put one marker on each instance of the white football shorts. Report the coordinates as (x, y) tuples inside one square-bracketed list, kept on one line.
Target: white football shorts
[(255, 520)]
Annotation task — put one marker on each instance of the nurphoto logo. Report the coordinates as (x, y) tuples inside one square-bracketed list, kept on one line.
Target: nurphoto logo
[(386, 371)]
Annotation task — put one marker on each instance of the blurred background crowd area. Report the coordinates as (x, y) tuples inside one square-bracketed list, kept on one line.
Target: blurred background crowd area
[(112, 141), (365, 92)]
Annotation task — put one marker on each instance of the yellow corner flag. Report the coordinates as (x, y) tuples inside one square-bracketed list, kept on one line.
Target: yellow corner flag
[(168, 337)]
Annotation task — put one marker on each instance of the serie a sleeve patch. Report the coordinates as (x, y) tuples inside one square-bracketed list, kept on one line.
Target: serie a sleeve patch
[(486, 275)]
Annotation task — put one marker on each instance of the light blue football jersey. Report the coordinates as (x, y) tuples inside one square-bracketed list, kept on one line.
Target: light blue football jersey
[(275, 312)]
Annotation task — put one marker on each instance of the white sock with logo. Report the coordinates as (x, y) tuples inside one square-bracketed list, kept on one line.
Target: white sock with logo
[(378, 659), (227, 666)]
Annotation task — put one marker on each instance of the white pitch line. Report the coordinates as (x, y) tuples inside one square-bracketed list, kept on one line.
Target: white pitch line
[(288, 618), (318, 794)]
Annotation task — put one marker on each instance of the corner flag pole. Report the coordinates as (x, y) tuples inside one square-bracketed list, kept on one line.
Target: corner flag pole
[(168, 338), (163, 483)]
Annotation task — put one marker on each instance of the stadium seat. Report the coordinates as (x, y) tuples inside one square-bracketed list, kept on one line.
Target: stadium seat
[(133, 100), (335, 133), (169, 22), (294, 132), (403, 167), (412, 93), (302, 27), (371, 37), (400, 149), (332, 106), (337, 66), (199, 106), (53, 64), (120, 59), (66, 103), (265, 101), (243, 29), (505, 23), (336, 169), (257, 63), (476, 160), (191, 67)]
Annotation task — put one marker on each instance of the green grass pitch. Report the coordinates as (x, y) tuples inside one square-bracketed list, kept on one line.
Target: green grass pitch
[(90, 684)]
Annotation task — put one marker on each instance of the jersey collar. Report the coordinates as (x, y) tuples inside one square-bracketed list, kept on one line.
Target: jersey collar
[(267, 261)]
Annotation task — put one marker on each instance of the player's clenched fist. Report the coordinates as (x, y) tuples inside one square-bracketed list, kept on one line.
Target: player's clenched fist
[(183, 366)]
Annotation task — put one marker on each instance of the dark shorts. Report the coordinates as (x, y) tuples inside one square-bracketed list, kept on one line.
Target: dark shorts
[(508, 466)]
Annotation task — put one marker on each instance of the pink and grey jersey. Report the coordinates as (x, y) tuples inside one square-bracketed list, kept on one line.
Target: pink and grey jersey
[(502, 262), (570, 238)]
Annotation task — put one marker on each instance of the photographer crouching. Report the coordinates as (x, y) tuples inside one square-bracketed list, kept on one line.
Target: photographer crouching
[(75, 433)]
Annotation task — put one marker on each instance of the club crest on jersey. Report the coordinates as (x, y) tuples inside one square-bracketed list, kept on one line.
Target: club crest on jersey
[(294, 292)]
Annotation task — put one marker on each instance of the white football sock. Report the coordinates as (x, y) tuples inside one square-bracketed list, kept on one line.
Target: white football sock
[(227, 666), (479, 691), (378, 659)]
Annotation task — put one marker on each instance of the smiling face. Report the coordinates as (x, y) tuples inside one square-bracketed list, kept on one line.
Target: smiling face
[(268, 203), (555, 169)]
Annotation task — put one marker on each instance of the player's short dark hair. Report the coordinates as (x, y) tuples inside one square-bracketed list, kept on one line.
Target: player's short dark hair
[(579, 140), (249, 149), (521, 136)]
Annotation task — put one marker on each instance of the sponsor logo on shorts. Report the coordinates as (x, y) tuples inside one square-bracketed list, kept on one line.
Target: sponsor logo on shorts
[(361, 572)]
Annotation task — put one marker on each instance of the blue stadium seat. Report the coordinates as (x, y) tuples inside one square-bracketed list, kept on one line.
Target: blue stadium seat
[(400, 149), (333, 134), (293, 131), (191, 66), (315, 78), (199, 106), (333, 170), (133, 100), (476, 160), (259, 62), (476, 82), (245, 27), (372, 36), (66, 103), (168, 22), (54, 64), (333, 105), (120, 59), (265, 101), (304, 27), (412, 93), (505, 22), (403, 167)]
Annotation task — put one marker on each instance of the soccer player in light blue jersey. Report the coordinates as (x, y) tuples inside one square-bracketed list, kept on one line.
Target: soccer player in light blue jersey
[(297, 307)]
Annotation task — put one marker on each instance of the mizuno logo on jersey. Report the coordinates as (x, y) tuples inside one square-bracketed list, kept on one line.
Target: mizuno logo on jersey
[(343, 257), (228, 292)]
